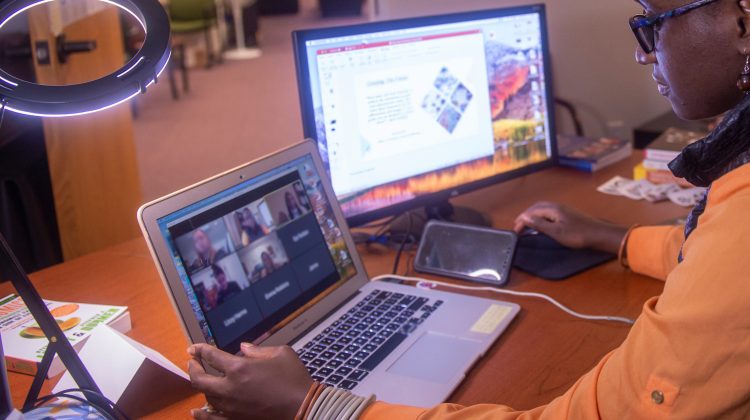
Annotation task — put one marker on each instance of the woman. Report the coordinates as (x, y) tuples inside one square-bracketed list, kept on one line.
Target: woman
[(293, 208), (205, 252), (688, 355), (268, 266), (226, 289), (251, 229)]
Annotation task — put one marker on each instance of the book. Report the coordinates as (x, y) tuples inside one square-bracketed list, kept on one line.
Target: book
[(592, 154), (656, 165), (669, 144), (658, 176), (24, 342)]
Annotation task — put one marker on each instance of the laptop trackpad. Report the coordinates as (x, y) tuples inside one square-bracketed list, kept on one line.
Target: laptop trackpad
[(436, 358)]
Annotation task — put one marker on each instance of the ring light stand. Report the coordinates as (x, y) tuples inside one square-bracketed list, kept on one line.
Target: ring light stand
[(27, 98)]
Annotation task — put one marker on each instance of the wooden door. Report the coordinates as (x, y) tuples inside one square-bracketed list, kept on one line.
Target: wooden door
[(92, 158)]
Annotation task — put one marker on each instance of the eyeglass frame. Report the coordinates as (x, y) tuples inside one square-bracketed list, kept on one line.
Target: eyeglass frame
[(641, 21)]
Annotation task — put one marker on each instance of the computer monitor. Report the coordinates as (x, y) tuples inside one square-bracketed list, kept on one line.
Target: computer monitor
[(412, 112)]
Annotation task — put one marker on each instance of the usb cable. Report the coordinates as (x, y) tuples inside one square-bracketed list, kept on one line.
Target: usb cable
[(564, 308)]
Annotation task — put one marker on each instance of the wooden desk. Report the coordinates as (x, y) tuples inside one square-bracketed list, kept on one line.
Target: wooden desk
[(537, 359)]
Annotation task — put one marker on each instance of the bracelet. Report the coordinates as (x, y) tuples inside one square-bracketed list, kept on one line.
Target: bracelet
[(349, 409), (314, 398), (333, 403), (622, 254), (306, 402), (330, 403), (362, 407), (319, 402)]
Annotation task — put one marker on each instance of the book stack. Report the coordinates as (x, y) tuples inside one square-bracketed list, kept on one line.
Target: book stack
[(24, 342), (655, 166), (592, 154)]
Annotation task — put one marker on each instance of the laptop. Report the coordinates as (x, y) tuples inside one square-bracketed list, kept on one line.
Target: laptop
[(262, 254)]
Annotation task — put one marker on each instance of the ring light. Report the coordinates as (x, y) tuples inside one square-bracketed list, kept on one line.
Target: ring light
[(139, 73)]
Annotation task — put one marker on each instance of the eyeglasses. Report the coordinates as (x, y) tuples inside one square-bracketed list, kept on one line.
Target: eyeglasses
[(644, 26)]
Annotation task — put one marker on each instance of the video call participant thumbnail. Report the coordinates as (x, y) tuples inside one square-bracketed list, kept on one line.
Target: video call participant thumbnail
[(219, 282), (263, 258), (204, 246), (247, 225), (287, 204)]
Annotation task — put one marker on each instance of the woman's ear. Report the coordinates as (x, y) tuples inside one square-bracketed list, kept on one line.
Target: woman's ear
[(743, 23)]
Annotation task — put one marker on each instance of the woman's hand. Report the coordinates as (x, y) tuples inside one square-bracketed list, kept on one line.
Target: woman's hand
[(267, 383), (571, 228)]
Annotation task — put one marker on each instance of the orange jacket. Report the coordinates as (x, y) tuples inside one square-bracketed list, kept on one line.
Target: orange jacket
[(688, 354)]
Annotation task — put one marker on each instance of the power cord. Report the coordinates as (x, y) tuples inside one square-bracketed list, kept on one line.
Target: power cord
[(401, 247), (564, 308), (110, 411)]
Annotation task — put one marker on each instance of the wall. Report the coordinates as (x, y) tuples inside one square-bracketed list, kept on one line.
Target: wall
[(592, 51)]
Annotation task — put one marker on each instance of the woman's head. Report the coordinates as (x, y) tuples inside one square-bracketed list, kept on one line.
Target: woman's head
[(219, 275), (202, 243), (249, 219), (699, 56), (291, 200), (267, 261)]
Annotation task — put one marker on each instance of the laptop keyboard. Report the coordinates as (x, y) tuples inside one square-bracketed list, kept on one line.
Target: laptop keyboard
[(355, 344)]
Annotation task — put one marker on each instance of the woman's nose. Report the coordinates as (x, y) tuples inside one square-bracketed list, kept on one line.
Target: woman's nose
[(643, 58)]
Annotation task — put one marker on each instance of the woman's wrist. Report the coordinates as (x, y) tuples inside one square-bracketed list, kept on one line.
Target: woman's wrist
[(312, 394), (622, 254), (609, 238), (323, 402)]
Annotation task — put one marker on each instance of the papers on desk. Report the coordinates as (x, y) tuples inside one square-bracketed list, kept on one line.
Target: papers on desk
[(24, 342), (645, 190), (137, 378)]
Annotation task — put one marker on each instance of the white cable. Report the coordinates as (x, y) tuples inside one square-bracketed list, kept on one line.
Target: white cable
[(512, 293)]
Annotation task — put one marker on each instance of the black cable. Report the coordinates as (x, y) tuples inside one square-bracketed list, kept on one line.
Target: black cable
[(102, 412), (409, 261), (110, 411), (3, 105), (573, 115), (403, 244), (386, 222), (367, 238)]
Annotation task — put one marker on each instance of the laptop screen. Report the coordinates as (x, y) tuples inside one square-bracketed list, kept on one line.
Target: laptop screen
[(254, 256)]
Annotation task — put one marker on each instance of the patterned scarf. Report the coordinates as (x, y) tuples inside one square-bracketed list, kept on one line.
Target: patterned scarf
[(703, 162)]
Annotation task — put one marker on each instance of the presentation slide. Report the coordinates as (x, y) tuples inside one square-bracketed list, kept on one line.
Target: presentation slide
[(388, 101)]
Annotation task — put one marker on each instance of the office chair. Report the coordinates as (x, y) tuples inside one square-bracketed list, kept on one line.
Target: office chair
[(192, 16)]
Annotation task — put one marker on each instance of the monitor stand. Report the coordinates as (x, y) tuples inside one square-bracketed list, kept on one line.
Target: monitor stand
[(444, 211)]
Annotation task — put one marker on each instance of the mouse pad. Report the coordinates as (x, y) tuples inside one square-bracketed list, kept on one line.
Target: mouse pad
[(542, 256)]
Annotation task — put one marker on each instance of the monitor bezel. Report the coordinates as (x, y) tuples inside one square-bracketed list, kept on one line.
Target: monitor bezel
[(301, 37)]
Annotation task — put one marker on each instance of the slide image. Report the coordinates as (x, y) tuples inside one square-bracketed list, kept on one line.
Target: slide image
[(461, 97), (448, 101), (445, 81), (449, 119), (434, 103)]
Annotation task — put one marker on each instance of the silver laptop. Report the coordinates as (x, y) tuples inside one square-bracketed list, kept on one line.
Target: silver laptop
[(262, 254)]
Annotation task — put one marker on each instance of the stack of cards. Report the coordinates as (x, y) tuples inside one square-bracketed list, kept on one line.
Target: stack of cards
[(645, 190)]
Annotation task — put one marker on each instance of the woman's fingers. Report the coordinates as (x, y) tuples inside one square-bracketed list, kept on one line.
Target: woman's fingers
[(216, 358), (539, 216), (204, 414)]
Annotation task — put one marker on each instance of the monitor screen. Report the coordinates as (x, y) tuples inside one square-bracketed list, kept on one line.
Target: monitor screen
[(254, 256), (419, 110)]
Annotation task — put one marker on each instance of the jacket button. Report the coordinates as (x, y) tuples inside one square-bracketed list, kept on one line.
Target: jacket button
[(657, 397)]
